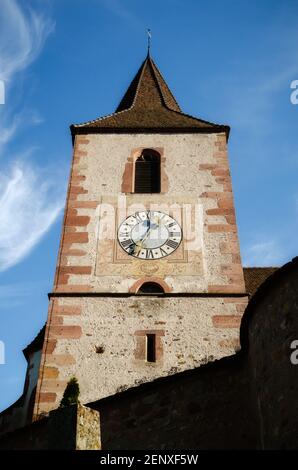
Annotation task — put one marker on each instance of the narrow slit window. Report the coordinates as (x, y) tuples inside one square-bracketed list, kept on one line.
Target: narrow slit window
[(151, 348), (147, 172)]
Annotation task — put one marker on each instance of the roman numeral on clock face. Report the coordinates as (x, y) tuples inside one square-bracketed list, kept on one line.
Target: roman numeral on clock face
[(163, 252), (172, 244), (127, 243), (149, 254), (138, 217), (174, 234)]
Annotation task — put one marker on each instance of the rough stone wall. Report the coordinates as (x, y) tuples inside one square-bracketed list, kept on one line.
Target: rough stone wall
[(193, 331), (246, 401), (209, 408), (12, 417), (190, 331), (25, 438), (197, 171), (273, 327), (72, 428)]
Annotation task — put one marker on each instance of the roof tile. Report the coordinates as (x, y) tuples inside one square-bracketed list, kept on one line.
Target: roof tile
[(254, 277), (148, 104)]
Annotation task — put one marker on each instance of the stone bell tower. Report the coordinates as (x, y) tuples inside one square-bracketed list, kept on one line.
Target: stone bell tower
[(149, 280)]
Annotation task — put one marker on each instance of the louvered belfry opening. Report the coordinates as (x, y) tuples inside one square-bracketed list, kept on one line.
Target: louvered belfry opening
[(147, 172)]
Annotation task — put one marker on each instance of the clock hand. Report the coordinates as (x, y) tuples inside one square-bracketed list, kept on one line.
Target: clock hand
[(144, 238), (139, 243), (146, 235), (134, 246), (141, 238), (137, 247)]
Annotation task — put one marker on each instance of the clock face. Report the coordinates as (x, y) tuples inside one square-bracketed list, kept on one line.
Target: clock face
[(149, 235)]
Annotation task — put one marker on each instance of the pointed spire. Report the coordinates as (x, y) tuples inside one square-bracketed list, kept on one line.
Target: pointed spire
[(148, 89), (148, 104)]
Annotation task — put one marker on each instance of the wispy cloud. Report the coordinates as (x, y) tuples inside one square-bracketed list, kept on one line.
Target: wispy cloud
[(23, 33), (265, 247), (9, 126), (13, 295), (29, 199), (22, 36), (250, 99), (117, 8), (8, 131), (263, 253), (251, 107), (29, 204)]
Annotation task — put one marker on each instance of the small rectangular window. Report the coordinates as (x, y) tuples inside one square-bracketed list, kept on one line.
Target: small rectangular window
[(150, 348)]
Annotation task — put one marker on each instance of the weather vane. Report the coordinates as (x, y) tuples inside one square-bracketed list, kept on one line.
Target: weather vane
[(149, 39)]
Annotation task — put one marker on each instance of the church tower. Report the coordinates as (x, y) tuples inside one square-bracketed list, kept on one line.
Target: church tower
[(149, 280)]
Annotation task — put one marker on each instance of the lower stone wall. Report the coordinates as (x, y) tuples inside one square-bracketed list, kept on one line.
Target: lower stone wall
[(208, 408), (93, 338), (13, 417), (272, 330), (33, 436), (71, 428), (246, 401)]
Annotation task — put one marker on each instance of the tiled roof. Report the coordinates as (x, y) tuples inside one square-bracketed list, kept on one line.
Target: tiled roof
[(254, 277), (147, 72), (148, 104)]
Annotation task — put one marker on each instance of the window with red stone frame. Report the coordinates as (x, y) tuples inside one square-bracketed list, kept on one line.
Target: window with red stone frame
[(149, 347), (147, 172)]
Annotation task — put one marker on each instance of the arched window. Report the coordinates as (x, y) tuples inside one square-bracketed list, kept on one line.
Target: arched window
[(147, 172), (150, 288)]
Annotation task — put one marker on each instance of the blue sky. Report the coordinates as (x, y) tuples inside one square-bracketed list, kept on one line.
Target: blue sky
[(68, 61)]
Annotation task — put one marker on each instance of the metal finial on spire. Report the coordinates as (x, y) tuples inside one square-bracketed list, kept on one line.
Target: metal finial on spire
[(149, 40)]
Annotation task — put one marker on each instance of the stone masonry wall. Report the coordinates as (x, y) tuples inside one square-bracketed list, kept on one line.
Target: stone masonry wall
[(193, 331), (71, 428), (273, 328), (209, 408), (246, 401), (190, 331), (197, 170)]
